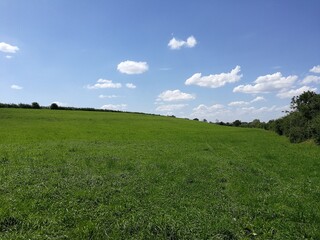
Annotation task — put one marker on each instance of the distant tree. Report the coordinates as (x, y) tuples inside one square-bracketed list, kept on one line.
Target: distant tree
[(54, 106), (204, 120), (196, 119), (236, 123), (35, 105)]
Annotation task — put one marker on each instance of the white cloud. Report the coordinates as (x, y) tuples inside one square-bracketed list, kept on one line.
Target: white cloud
[(267, 83), (177, 44), (132, 67), (131, 85), (7, 48), (294, 92), (60, 104), (120, 107), (8, 57), (315, 69), (108, 96), (205, 110), (257, 99), (174, 95), (103, 83), (170, 107), (16, 87), (238, 103), (310, 79), (244, 103), (216, 80)]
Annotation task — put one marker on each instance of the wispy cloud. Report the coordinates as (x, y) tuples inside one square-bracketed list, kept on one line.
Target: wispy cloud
[(108, 96), (132, 67), (131, 85), (103, 83), (176, 44), (7, 48), (215, 80)]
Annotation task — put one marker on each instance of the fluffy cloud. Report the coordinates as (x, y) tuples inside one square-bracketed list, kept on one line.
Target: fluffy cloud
[(315, 69), (311, 79), (16, 87), (7, 48), (174, 95), (131, 85), (170, 107), (103, 83), (120, 107), (8, 57), (208, 110), (267, 83), (108, 96), (132, 67), (294, 92), (177, 44), (216, 80)]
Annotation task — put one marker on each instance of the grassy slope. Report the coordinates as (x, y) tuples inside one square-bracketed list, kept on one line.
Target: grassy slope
[(89, 175)]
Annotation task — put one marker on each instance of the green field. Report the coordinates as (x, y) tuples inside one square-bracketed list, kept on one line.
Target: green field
[(101, 175)]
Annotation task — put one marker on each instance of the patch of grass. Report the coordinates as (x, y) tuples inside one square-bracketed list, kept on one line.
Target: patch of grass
[(97, 175)]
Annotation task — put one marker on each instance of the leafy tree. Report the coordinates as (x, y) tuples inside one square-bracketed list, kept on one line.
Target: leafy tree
[(236, 123), (35, 105), (308, 104), (54, 106)]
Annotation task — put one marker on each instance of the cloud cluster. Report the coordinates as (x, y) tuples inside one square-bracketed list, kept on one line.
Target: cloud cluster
[(311, 79), (103, 83), (132, 67), (267, 83), (119, 107), (294, 92), (7, 48), (176, 44), (170, 107), (174, 95), (130, 85), (244, 103), (216, 80)]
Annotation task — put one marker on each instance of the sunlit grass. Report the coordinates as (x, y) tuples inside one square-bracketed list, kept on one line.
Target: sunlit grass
[(94, 175)]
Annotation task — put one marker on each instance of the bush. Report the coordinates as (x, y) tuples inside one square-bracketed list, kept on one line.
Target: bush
[(35, 105), (54, 106)]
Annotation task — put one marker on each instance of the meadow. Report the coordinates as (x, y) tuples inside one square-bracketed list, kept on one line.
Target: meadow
[(104, 175)]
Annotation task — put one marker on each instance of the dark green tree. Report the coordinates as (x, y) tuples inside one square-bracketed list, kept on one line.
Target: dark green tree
[(35, 105), (54, 106)]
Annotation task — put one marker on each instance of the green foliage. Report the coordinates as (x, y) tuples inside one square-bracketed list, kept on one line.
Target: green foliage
[(54, 106), (104, 175), (35, 105), (303, 122)]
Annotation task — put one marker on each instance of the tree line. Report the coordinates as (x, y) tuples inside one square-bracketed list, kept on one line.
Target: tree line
[(301, 123)]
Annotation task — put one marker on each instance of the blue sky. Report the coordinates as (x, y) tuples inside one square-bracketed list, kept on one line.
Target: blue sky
[(219, 60)]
